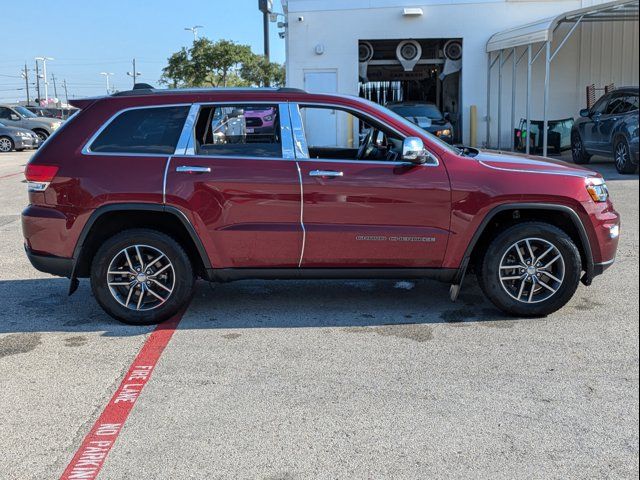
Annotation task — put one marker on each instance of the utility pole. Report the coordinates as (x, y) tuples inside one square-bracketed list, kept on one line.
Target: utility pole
[(66, 94), (55, 88), (135, 74), (38, 83), (25, 74)]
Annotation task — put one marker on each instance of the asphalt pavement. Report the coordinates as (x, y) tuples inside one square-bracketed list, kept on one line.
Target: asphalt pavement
[(288, 380)]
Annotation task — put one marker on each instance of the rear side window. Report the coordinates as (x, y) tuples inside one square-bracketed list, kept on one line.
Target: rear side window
[(143, 130)]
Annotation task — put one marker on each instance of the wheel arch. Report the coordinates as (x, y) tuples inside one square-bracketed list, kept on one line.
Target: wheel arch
[(110, 219), (560, 216)]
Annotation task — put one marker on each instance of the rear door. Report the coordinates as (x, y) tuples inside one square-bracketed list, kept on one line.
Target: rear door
[(368, 209), (239, 185)]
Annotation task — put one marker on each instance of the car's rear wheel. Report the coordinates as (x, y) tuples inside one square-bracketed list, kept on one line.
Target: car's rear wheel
[(531, 269), (578, 152), (142, 277), (622, 156), (6, 144)]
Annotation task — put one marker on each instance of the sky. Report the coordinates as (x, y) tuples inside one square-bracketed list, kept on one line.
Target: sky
[(86, 37)]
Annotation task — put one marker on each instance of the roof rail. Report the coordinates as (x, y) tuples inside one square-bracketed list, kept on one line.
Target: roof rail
[(146, 89)]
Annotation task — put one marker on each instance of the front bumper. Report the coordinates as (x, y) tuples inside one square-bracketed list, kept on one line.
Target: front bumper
[(22, 143), (58, 266)]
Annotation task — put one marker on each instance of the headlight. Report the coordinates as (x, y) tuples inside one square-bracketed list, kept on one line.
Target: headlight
[(55, 126), (444, 133), (268, 118), (597, 189), (22, 134)]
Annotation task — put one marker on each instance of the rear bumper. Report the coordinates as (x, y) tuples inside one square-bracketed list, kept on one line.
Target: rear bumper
[(58, 266)]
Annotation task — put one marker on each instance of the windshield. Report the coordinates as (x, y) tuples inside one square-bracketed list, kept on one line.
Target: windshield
[(429, 111), (25, 113), (412, 127)]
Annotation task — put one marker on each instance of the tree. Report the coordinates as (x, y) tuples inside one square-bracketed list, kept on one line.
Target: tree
[(223, 63), (260, 72)]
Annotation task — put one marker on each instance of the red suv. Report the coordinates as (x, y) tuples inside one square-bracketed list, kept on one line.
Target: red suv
[(146, 190)]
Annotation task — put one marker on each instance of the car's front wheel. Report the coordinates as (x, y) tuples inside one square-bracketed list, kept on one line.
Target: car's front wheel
[(6, 144), (142, 277), (42, 134), (578, 152), (531, 269), (622, 156)]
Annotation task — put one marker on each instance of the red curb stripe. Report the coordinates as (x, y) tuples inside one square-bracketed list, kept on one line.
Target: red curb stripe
[(94, 449), (11, 175)]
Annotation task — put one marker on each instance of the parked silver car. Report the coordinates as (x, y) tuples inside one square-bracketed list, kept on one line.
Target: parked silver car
[(14, 138), (19, 116)]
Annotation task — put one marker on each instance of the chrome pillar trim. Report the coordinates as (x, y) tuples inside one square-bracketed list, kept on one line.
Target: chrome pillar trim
[(304, 231), (297, 128), (286, 135), (187, 130), (164, 180)]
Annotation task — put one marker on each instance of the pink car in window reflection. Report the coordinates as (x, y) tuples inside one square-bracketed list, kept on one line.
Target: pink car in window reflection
[(259, 120)]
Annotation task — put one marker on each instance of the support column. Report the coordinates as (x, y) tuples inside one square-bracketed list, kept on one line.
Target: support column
[(500, 99), (545, 119), (513, 100), (488, 135), (528, 137)]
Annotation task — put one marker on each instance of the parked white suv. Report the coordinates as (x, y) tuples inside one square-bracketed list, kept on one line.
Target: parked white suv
[(19, 116)]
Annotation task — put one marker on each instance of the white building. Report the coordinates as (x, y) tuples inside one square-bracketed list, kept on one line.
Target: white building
[(326, 39)]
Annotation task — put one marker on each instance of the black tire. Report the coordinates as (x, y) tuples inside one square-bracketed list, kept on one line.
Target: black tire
[(42, 134), (6, 144), (622, 156), (578, 152), (183, 278), (488, 269)]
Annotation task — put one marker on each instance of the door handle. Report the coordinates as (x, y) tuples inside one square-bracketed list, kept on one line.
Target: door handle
[(325, 173), (190, 169)]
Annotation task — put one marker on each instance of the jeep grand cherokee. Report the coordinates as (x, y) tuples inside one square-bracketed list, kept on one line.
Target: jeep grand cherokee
[(146, 190)]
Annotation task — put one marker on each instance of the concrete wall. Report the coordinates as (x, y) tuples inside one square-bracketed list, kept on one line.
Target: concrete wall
[(595, 54)]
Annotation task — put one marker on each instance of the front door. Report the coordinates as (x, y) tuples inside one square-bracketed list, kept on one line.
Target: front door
[(240, 186), (365, 208)]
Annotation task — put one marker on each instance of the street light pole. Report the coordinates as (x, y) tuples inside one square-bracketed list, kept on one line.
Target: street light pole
[(26, 81), (134, 74), (106, 76), (266, 7), (194, 30), (44, 74)]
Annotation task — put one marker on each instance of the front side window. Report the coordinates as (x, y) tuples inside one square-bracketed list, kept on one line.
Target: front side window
[(238, 130), (153, 130), (334, 133), (600, 106)]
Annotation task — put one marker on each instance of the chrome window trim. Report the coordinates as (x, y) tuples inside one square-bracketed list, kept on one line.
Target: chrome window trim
[(187, 148), (186, 136), (286, 135), (300, 137), (297, 129), (86, 150)]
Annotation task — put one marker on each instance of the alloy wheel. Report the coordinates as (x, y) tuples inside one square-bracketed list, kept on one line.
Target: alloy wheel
[(141, 277), (5, 145), (577, 147), (532, 270), (622, 155)]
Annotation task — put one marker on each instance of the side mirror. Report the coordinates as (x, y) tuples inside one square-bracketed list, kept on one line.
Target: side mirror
[(447, 116), (413, 151), (585, 112)]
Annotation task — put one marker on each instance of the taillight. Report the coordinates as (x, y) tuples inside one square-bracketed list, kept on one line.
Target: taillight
[(39, 176)]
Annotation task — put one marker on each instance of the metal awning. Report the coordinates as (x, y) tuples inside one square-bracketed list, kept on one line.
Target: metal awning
[(543, 30), (504, 46)]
